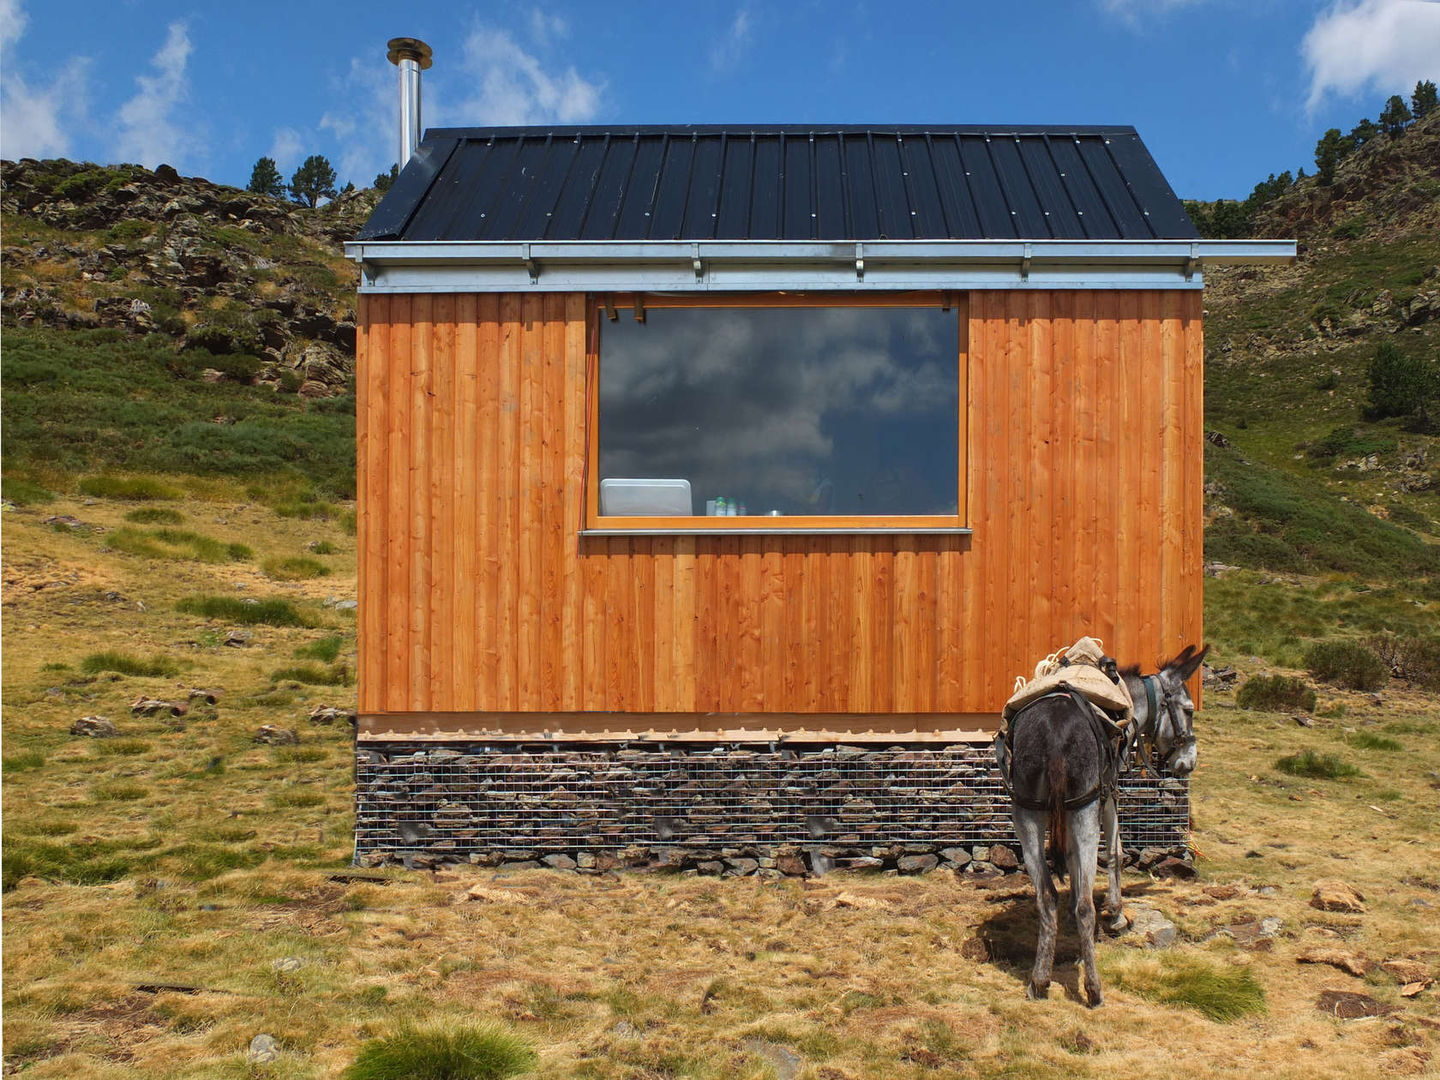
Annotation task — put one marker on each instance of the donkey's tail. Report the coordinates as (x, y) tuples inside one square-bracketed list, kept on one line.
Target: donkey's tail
[(1055, 776)]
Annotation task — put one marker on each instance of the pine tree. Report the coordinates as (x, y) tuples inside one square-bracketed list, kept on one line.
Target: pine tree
[(385, 179), (265, 179), (313, 181), (1423, 100), (1395, 116), (1328, 152), (1363, 132), (1401, 385)]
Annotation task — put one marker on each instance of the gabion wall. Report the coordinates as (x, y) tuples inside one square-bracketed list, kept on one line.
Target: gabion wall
[(428, 803)]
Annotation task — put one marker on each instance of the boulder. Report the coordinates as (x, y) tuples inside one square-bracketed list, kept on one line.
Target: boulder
[(1332, 894), (276, 736), (94, 727), (1004, 858)]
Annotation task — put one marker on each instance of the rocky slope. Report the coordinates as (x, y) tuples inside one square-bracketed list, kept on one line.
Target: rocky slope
[(210, 267)]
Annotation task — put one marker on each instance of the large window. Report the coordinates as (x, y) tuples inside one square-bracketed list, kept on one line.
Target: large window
[(777, 414)]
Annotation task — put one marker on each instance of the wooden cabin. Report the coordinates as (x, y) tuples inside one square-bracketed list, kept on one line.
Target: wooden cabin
[(791, 443)]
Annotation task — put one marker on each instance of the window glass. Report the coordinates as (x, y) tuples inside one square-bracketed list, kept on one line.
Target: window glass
[(780, 411)]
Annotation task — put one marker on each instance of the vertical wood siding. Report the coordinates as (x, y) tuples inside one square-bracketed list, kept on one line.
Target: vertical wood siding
[(477, 593)]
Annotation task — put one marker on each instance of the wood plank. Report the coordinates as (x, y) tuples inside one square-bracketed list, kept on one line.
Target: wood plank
[(904, 633), (1041, 636), (371, 364), (924, 673), (1128, 463), (1065, 536), (1169, 572), (552, 502), (708, 672), (464, 567), (991, 545), (618, 627), (441, 673), (683, 650), (1193, 479), (1107, 492), (530, 541), (572, 631), (662, 636), (882, 609), (1020, 509), (1083, 464), (794, 549), (772, 623), (397, 518), (860, 639), (1151, 436), (508, 474), (489, 498), (421, 417)]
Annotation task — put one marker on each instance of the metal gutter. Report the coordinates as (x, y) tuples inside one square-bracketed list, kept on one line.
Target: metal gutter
[(395, 266)]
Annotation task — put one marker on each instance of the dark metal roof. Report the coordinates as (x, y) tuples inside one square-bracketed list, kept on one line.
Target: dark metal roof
[(780, 183)]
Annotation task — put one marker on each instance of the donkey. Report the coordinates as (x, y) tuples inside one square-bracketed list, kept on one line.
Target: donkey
[(1062, 769)]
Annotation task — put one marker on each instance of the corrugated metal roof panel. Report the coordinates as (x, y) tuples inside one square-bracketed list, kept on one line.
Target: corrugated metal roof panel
[(780, 183)]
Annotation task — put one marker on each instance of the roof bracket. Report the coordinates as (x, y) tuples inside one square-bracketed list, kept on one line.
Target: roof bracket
[(369, 272), (610, 312), (530, 264), (859, 262), (695, 261), (639, 308), (1025, 264), (1192, 262)]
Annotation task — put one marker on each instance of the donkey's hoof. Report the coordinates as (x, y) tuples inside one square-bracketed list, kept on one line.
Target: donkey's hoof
[(1094, 998), (1037, 991), (1117, 923)]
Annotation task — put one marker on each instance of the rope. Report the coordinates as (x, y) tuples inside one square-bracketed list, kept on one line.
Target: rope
[(1048, 666)]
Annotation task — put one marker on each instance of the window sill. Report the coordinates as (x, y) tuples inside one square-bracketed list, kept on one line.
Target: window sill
[(779, 530)]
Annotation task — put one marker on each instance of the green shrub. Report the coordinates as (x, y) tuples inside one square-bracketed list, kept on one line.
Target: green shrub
[(272, 611), (155, 515), (296, 568), (312, 675), (1369, 740), (1220, 992), (1410, 657), (1276, 693), (1348, 664), (326, 649), (449, 1052), (1348, 441), (1316, 766), (176, 544), (23, 492), (1401, 385), (125, 664), (136, 488), (323, 547)]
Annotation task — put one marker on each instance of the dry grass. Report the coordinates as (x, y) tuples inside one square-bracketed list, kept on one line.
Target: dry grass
[(155, 880)]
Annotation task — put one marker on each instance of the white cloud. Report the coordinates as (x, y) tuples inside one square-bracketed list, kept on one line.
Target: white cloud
[(726, 52), (36, 121), (148, 132), (508, 85), (1380, 46), (494, 80), (287, 148)]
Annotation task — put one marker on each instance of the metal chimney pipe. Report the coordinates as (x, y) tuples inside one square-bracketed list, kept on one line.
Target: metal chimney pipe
[(411, 56)]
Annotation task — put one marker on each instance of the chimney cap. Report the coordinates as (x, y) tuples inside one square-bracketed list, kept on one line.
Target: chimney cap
[(409, 48)]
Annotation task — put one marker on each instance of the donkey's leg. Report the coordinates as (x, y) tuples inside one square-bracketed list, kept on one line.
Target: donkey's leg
[(1030, 829), (1084, 843), (1115, 857)]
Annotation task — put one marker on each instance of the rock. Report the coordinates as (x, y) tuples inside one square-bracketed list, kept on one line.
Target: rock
[(263, 1049), (154, 706), (1410, 990), (1270, 926), (1003, 858), (209, 697), (917, 864), (559, 862), (329, 714), (741, 867), (346, 605), (1149, 857), (1332, 894), (625, 1030), (287, 964), (785, 1062), (237, 638), (1406, 971), (713, 867), (1157, 931), (276, 736), (94, 727), (1171, 867), (1350, 963), (1348, 1005), (790, 865), (955, 855), (1224, 892)]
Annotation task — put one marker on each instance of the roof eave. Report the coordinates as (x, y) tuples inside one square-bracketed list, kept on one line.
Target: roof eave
[(393, 266)]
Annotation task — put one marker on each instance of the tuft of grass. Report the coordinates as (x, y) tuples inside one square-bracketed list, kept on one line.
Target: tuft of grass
[(326, 649), (1348, 664), (272, 611), (1273, 693), (135, 488), (122, 747), (23, 761), (323, 547), (1220, 993), (296, 568), (1316, 766), (311, 675), (125, 664), (1369, 740), (24, 492), (443, 1052), (176, 544), (120, 791), (155, 515)]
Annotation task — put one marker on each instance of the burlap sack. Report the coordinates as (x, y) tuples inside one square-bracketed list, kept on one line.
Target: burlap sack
[(1080, 673)]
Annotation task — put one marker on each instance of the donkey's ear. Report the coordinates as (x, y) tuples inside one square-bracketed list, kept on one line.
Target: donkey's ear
[(1187, 664)]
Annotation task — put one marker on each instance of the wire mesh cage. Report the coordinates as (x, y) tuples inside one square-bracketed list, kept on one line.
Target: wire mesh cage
[(463, 799)]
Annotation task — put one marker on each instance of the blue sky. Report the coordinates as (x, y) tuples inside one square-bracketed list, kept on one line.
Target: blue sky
[(1222, 91)]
